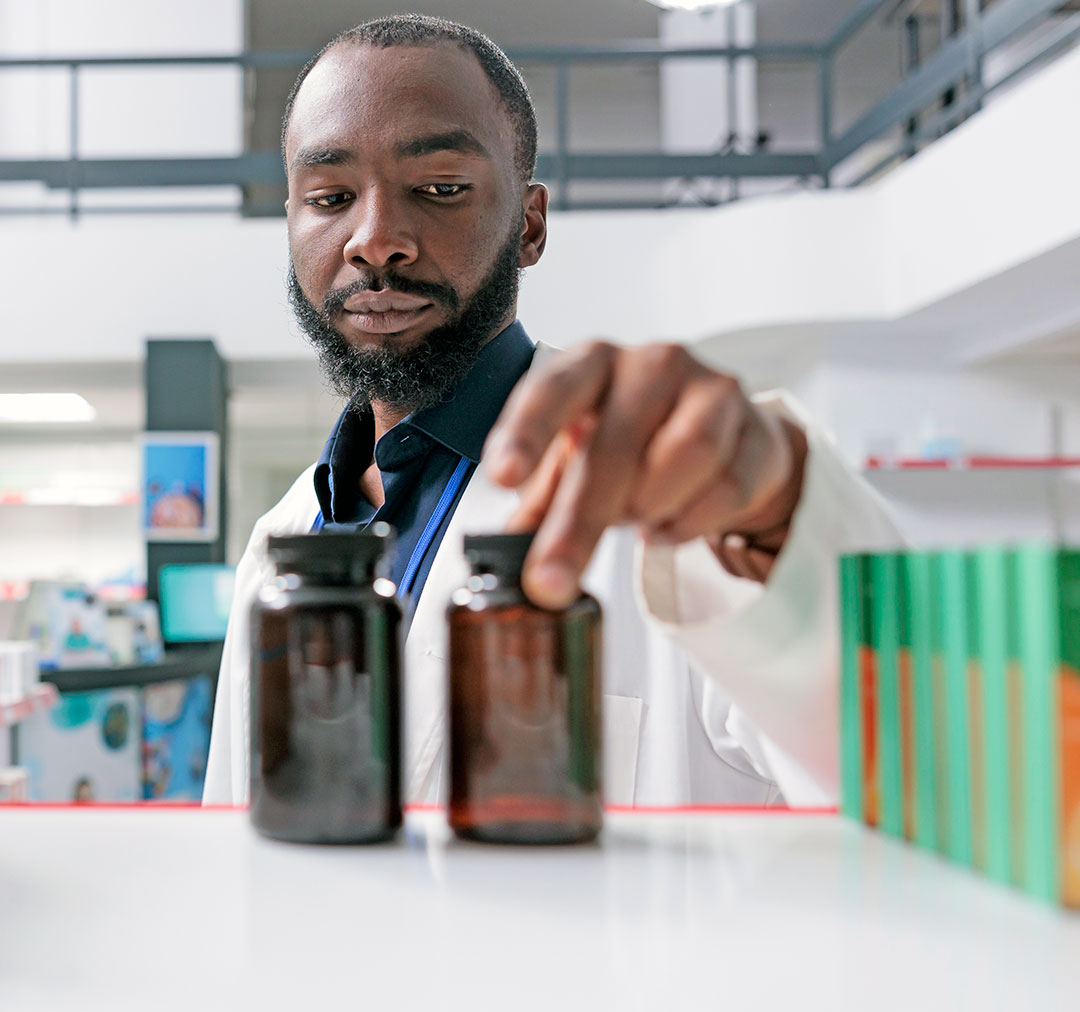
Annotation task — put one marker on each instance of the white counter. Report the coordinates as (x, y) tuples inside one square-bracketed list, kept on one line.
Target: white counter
[(177, 909)]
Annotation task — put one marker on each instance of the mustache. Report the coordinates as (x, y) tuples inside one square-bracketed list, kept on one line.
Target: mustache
[(391, 281)]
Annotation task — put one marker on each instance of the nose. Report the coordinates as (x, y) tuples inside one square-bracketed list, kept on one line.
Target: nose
[(382, 233)]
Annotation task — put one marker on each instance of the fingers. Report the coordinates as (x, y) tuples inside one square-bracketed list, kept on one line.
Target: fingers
[(553, 567), (538, 491), (733, 496), (564, 391), (690, 451), (598, 482), (607, 435)]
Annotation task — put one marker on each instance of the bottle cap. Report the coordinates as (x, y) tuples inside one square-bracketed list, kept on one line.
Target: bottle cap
[(331, 553), (503, 554)]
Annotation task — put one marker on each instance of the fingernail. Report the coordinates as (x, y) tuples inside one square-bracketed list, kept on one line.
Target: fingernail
[(553, 584), (511, 467), (506, 461)]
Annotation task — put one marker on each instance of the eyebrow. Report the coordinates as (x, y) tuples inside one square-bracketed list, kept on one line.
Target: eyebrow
[(310, 157), (462, 141)]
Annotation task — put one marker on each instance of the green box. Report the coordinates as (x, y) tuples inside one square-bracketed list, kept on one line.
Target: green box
[(1048, 642), (954, 635), (938, 685), (1014, 677), (916, 633), (853, 642), (994, 803), (976, 691), (960, 707), (885, 633)]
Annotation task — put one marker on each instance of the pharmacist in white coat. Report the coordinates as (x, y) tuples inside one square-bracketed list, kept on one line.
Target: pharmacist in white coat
[(707, 525)]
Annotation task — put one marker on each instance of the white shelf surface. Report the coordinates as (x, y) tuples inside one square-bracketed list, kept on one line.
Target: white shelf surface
[(183, 909)]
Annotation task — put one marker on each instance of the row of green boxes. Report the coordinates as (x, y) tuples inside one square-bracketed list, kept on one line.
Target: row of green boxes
[(960, 707)]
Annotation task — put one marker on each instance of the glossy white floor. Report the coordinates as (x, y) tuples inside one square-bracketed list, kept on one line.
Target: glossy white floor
[(179, 909)]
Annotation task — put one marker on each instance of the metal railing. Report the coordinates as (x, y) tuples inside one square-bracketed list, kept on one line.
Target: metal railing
[(955, 69)]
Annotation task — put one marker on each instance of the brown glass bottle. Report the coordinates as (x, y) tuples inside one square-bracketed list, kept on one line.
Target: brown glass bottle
[(325, 692), (524, 706)]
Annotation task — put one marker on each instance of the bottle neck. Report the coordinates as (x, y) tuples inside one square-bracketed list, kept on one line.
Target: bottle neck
[(360, 573), (506, 578)]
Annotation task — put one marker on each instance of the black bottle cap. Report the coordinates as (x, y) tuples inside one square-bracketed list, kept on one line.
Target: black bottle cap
[(331, 553), (502, 554)]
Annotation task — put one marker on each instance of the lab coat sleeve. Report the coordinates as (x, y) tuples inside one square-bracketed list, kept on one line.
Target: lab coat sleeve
[(774, 650), (227, 774)]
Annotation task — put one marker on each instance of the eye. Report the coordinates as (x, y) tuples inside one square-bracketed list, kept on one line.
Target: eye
[(443, 189), (329, 200)]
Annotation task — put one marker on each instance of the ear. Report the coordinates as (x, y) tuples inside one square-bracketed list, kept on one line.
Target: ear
[(534, 232)]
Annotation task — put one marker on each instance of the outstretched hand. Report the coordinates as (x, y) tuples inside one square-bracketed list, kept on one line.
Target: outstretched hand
[(606, 435)]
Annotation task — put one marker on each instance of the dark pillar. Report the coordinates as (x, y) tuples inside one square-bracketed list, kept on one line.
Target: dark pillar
[(186, 391)]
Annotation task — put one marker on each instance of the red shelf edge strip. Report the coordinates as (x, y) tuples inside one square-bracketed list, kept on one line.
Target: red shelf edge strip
[(968, 463)]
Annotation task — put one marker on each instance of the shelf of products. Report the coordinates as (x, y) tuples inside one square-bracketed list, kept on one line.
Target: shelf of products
[(41, 697)]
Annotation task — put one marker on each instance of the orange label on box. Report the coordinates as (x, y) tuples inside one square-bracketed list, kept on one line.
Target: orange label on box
[(1069, 709)]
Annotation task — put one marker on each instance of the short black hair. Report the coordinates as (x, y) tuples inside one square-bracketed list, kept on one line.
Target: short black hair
[(425, 30)]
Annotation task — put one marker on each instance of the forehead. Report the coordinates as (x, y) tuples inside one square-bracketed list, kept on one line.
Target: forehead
[(360, 96)]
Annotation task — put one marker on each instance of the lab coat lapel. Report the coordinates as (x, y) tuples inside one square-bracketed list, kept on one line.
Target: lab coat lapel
[(484, 507)]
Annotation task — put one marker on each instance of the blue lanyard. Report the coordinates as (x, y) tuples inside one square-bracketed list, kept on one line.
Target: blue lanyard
[(435, 521), (438, 515)]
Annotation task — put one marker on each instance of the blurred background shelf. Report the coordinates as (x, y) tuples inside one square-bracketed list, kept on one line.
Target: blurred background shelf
[(41, 697), (176, 664)]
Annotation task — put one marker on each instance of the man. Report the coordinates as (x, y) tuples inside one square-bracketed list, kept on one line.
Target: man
[(410, 144)]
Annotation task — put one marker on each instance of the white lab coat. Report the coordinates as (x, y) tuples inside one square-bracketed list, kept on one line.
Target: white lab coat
[(716, 689)]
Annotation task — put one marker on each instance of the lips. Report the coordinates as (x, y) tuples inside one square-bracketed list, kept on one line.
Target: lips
[(384, 312), (384, 302)]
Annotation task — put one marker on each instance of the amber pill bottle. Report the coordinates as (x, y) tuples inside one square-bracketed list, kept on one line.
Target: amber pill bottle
[(524, 691), (326, 692)]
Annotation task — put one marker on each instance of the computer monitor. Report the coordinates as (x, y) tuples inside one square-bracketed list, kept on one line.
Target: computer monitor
[(195, 601)]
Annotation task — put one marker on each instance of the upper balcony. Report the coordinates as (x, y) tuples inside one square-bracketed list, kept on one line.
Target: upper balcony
[(663, 122)]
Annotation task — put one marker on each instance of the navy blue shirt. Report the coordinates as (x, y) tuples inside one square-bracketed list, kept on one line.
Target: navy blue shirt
[(418, 456)]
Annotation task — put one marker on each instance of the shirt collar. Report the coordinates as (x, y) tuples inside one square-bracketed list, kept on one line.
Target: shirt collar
[(461, 423)]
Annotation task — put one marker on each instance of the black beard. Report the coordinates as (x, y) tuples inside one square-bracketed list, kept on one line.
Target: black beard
[(415, 377)]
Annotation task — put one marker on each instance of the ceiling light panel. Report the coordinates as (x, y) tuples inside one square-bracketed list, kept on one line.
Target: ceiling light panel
[(24, 409)]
